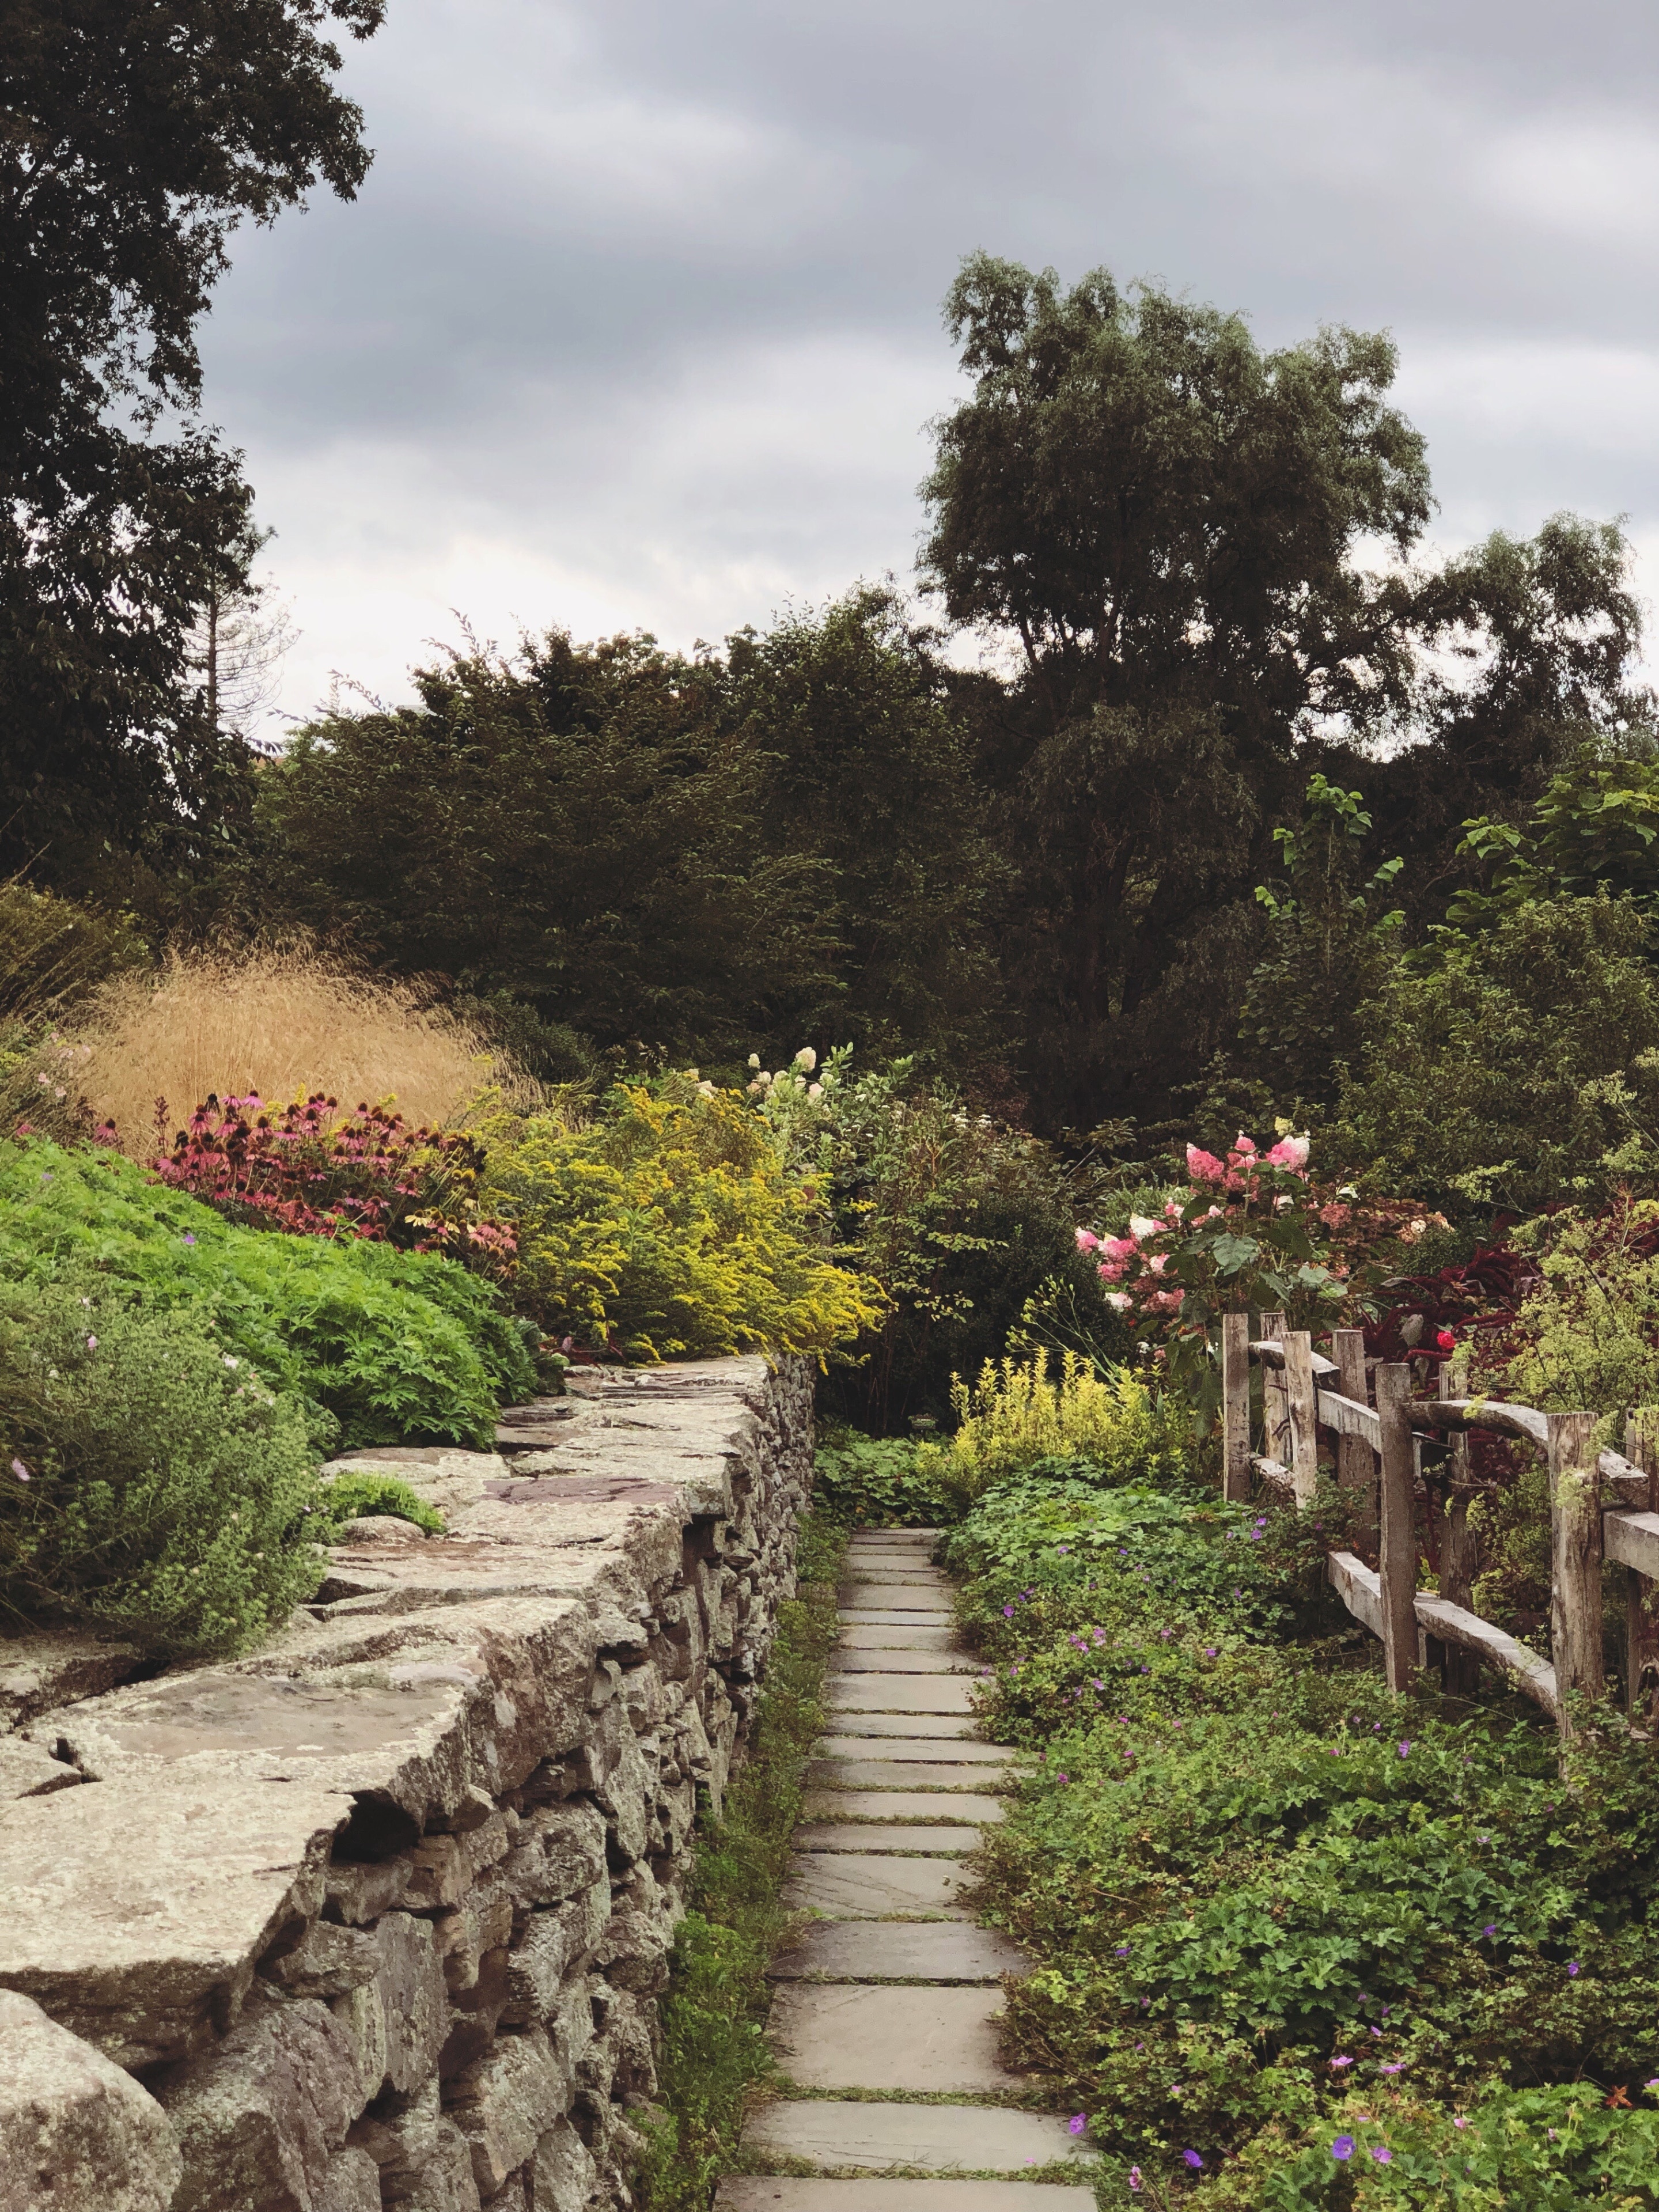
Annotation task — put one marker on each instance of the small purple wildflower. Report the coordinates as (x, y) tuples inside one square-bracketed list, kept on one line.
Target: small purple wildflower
[(1077, 2124), (1134, 2177), (1406, 1749), (1491, 1928), (92, 1344), (1007, 1613), (1398, 2067), (1381, 2153), (1573, 1968), (189, 1236), (1193, 2159), (1342, 2062), (20, 1471), (1342, 2148)]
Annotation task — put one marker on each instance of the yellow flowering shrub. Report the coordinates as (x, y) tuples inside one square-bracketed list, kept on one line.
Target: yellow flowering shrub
[(669, 1226), (1020, 1411)]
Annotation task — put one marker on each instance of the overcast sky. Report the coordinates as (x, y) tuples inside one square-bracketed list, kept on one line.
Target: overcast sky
[(635, 322)]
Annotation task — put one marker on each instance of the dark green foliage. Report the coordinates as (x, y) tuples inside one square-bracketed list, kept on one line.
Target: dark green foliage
[(1264, 1894), (1594, 829), (874, 1482), (385, 1346), (357, 1494), (869, 771), (1521, 1071), (713, 2014), (572, 829), (132, 141), (53, 952), (151, 1484)]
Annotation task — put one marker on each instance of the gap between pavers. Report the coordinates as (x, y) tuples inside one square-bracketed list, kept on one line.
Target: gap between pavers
[(900, 1805), (848, 1659), (940, 1728), (903, 1774)]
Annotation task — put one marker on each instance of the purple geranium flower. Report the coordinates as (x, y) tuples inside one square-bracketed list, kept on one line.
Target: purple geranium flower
[(1342, 2148), (1193, 2159), (1077, 2124), (1381, 2153)]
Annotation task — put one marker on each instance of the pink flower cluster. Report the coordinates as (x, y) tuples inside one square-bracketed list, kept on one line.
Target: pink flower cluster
[(1117, 1252), (1237, 1170)]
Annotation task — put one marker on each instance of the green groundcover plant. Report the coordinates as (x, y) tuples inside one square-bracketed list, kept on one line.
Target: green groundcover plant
[(1266, 1896), (876, 1482), (152, 1484), (383, 1345)]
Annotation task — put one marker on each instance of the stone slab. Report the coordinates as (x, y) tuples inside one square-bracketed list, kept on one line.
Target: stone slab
[(899, 1693), (900, 1951), (851, 1886), (942, 1727), (77, 2133), (900, 1662), (766, 2192), (951, 1750), (851, 2036), (902, 1774), (939, 2138), (918, 1616), (864, 1636), (861, 1559), (933, 1580), (872, 1836), (944, 1805)]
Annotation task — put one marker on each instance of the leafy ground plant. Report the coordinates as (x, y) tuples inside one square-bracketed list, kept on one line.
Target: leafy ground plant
[(152, 1484), (875, 1482), (714, 2011), (384, 1345), (1266, 1896), (357, 1495)]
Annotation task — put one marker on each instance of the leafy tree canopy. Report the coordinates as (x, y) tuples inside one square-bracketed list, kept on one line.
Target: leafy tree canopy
[(133, 138)]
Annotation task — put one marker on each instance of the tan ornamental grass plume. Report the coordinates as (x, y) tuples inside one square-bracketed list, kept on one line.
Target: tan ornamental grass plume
[(281, 1023)]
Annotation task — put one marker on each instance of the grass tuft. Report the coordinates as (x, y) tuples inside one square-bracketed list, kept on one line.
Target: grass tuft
[(714, 2015)]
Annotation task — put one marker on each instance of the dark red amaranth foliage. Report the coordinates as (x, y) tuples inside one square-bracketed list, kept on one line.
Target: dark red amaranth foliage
[(1431, 1314), (308, 1170)]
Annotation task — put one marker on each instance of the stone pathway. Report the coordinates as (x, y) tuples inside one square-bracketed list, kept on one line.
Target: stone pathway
[(893, 1992)]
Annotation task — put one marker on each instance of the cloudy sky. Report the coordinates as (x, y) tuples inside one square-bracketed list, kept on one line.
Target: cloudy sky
[(635, 322)]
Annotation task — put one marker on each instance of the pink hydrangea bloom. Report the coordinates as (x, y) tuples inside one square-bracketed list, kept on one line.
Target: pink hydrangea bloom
[(1203, 1167), (1290, 1152), (1120, 1248), (1087, 1241)]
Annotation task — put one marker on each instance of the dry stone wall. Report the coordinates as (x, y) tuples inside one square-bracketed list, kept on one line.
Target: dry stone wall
[(377, 1916)]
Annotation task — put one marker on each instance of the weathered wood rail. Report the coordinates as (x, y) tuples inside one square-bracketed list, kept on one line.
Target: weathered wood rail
[(1604, 1507)]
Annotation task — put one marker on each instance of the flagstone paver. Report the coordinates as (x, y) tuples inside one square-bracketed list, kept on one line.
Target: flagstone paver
[(839, 2135), (889, 1837), (765, 2192), (894, 1991)]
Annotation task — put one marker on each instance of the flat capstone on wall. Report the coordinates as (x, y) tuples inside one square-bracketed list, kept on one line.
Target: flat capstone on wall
[(377, 1916)]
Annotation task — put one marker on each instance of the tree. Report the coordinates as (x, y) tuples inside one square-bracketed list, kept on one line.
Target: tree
[(237, 644), (574, 828), (1203, 557), (868, 772), (133, 138)]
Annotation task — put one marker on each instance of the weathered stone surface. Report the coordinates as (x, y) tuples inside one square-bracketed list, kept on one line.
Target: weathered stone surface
[(898, 1693), (876, 1613), (326, 1962), (948, 1750), (259, 2116), (561, 1849), (898, 1660), (358, 1894), (38, 1673), (75, 2132), (899, 1951), (762, 2192), (410, 1987), (352, 2184), (505, 2104), (564, 2173), (845, 1886), (885, 1773), (942, 1805), (881, 1837), (943, 1727), (879, 1636), (134, 1914), (28, 1770), (845, 2138), (909, 1597)]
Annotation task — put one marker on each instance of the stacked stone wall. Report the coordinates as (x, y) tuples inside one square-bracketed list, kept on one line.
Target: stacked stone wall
[(377, 1917)]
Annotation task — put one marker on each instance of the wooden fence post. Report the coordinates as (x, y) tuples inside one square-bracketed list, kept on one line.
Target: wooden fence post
[(1303, 1408), (1275, 1407), (1356, 1463), (1397, 1539), (1460, 1670), (1235, 1408), (1575, 1562), (1641, 1594)]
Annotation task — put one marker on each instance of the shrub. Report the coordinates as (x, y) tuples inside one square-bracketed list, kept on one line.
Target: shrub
[(1018, 1412), (387, 1345), (284, 1023), (155, 1486), (357, 1495), (669, 1225), (875, 1480), (53, 952)]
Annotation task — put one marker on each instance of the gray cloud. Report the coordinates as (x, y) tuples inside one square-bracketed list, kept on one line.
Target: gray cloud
[(636, 318)]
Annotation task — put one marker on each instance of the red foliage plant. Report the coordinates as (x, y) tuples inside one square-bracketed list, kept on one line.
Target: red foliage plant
[(309, 1171)]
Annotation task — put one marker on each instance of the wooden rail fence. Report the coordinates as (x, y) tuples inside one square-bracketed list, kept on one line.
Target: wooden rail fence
[(1603, 1507)]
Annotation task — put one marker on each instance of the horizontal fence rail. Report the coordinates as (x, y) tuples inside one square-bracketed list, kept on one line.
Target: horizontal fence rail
[(1604, 1507)]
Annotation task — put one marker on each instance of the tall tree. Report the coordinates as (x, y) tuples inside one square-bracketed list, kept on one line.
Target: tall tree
[(1164, 517), (134, 136)]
